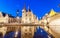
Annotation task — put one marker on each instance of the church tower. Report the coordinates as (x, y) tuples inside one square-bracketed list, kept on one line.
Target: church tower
[(27, 31), (30, 15), (24, 15)]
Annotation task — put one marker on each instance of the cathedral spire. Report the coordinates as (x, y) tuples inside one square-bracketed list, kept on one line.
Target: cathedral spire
[(29, 9), (24, 8)]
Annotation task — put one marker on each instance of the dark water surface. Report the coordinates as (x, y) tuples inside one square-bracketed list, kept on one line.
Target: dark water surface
[(40, 33)]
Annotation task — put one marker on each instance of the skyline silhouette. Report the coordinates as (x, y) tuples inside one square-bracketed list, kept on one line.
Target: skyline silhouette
[(38, 7)]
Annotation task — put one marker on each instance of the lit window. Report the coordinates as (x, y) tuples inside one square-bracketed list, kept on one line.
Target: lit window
[(26, 14), (29, 18)]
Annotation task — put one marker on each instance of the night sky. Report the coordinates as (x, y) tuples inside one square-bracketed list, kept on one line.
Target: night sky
[(39, 7)]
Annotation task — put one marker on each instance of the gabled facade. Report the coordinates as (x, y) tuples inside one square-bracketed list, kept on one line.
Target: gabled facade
[(3, 19), (52, 13), (28, 16)]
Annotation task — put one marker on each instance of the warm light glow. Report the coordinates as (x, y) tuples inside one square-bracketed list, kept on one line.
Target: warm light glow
[(49, 36), (16, 33), (45, 28), (55, 25), (52, 13)]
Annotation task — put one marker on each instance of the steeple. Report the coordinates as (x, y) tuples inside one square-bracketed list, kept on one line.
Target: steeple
[(24, 8), (29, 9), (52, 12)]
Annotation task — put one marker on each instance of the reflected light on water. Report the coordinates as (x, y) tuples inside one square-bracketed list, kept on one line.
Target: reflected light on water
[(16, 33)]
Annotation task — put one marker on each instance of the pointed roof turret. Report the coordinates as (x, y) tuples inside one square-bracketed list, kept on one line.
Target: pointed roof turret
[(52, 13), (29, 9), (24, 8)]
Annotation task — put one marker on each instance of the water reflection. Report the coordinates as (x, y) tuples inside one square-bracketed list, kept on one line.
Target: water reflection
[(19, 35), (40, 33), (12, 35), (1, 35), (9, 35)]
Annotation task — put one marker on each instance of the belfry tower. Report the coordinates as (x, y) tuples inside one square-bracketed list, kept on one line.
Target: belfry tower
[(24, 14), (26, 31)]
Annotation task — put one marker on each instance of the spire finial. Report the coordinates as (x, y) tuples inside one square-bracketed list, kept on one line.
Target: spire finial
[(29, 9), (24, 6)]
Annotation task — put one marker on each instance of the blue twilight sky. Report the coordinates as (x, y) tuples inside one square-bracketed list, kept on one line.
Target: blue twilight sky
[(39, 7)]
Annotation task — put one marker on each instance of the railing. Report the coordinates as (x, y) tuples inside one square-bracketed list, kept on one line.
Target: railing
[(19, 24)]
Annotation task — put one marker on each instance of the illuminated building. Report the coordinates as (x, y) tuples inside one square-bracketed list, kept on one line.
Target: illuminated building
[(27, 22), (28, 16), (51, 22), (3, 18), (8, 21)]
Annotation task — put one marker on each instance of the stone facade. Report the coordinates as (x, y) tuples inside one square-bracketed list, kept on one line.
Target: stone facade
[(28, 16), (4, 19)]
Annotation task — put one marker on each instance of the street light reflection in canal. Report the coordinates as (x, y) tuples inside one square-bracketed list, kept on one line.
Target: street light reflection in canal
[(40, 33)]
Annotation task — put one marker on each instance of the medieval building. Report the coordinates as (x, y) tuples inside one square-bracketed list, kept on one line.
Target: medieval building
[(28, 16)]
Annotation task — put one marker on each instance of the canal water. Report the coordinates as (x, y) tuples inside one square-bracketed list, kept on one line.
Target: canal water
[(40, 33), (12, 34)]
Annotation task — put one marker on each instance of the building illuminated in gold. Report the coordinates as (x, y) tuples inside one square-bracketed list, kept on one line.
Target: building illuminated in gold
[(28, 22), (23, 24), (28, 16), (52, 21)]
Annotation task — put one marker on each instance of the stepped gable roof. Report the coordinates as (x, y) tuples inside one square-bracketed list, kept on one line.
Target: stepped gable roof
[(29, 9), (4, 14)]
